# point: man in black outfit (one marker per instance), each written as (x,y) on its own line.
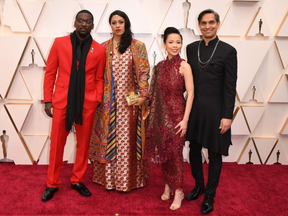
(214,68)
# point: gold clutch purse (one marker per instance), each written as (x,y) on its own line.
(131,96)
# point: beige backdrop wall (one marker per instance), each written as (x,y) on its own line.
(259,125)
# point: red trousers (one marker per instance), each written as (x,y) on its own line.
(58,141)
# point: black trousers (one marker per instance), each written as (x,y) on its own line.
(215,166)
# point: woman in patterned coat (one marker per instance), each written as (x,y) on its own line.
(118,133)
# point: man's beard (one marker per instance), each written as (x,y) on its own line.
(83,35)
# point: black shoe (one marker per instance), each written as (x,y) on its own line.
(207,205)
(48,193)
(82,189)
(194,194)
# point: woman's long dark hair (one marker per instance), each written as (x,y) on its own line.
(126,38)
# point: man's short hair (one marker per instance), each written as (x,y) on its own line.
(4,131)
(85,11)
(217,17)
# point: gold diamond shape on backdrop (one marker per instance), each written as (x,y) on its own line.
(31,10)
(252,116)
(249,154)
(18,89)
(228,27)
(248,67)
(254,94)
(44,43)
(284,129)
(13,17)
(278,155)
(17,149)
(44,154)
(280,93)
(34,78)
(135,12)
(18,113)
(255,28)
(265,146)
(32,56)
(282,48)
(35,144)
(10,46)
(283,29)
(257,150)
(239,124)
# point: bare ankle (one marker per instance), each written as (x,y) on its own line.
(178,190)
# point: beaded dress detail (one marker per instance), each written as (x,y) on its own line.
(167,107)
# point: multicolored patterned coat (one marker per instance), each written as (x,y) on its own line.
(99,136)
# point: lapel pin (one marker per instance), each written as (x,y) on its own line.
(92,49)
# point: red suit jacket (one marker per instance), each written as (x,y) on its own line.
(60,60)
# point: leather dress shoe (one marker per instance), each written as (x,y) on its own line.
(48,193)
(81,188)
(207,205)
(194,194)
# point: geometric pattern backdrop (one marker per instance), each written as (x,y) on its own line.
(260,122)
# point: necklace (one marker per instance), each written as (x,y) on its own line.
(204,64)
(116,45)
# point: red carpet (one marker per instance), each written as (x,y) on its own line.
(243,190)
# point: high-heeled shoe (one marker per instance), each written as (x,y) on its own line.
(164,197)
(177,206)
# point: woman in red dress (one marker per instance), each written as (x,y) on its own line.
(169,113)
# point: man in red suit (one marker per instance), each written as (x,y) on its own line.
(75,71)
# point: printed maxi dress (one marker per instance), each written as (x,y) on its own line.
(126,172)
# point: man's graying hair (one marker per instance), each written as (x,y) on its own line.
(217,17)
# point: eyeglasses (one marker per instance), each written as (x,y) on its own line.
(88,21)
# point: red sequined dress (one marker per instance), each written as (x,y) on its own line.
(167,107)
